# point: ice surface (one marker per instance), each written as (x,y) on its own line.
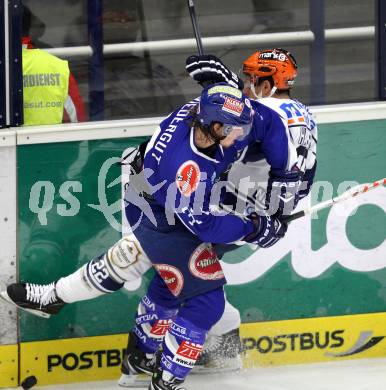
(360,374)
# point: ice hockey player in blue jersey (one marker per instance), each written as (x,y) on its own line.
(186,156)
(183,161)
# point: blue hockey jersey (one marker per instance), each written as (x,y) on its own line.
(186,178)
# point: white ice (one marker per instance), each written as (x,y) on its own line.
(360,374)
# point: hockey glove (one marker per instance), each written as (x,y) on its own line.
(208,69)
(268,230)
(135,158)
(282,192)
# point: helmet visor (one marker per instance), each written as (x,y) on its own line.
(238,132)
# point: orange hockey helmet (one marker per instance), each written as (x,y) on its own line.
(278,63)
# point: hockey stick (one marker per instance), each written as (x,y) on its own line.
(196,30)
(351,193)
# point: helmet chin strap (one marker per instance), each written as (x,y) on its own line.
(273,90)
(259,95)
(255,95)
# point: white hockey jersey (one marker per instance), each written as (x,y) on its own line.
(302,129)
(248,177)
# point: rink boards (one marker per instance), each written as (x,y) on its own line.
(266,343)
(305,299)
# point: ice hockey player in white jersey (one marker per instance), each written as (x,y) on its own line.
(268,77)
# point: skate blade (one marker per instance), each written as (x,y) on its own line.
(5,296)
(134,380)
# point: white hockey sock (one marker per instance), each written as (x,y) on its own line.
(74,287)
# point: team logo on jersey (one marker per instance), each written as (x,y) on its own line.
(172,276)
(233,106)
(204,264)
(188,177)
(160,328)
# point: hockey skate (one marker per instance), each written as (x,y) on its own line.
(38,299)
(137,366)
(164,380)
(220,354)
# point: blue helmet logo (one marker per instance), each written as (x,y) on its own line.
(225,104)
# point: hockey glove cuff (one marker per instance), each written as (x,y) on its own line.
(308,180)
(268,230)
(282,192)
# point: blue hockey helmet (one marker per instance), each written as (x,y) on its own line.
(226,105)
